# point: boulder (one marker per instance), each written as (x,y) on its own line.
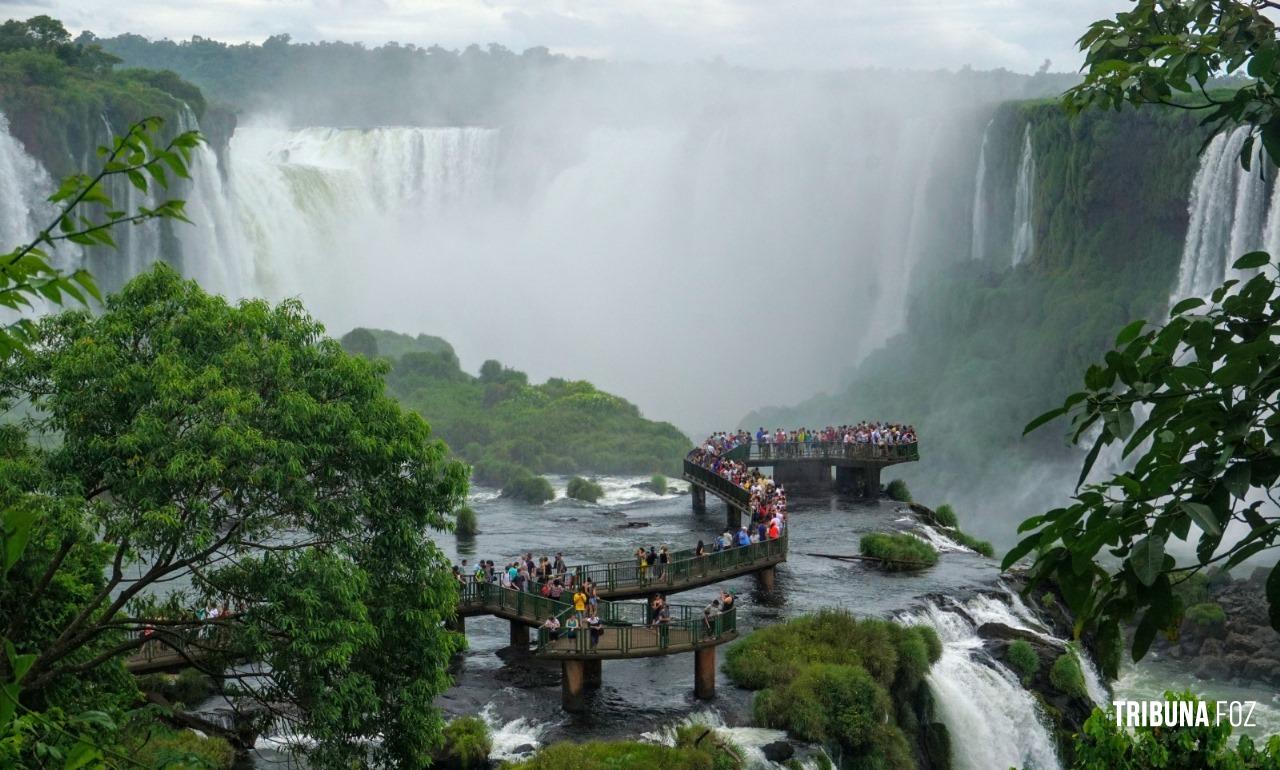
(778,751)
(524,748)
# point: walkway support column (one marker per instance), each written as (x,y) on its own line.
(732,519)
(519,635)
(704,672)
(572,686)
(592,674)
(765,578)
(699,497)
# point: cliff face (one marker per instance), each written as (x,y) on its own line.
(989,345)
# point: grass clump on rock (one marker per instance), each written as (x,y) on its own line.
(465,521)
(695,749)
(584,489)
(897,490)
(1208,617)
(854,685)
(528,488)
(1024,661)
(898,550)
(658,484)
(1067,677)
(466,745)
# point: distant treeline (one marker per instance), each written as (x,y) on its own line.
(505,426)
(350,84)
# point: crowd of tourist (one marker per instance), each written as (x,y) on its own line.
(768,501)
(875,437)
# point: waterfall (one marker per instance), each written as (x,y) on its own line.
(992,719)
(1229,215)
(1023,227)
(24,185)
(978,248)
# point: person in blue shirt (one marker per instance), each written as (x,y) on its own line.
(744,539)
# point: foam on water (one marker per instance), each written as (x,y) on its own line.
(510,735)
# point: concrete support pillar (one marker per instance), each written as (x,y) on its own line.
(872,476)
(704,672)
(699,497)
(809,475)
(765,578)
(593,674)
(732,519)
(860,480)
(572,686)
(519,635)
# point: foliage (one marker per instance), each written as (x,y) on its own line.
(56,93)
(584,489)
(1066,675)
(160,747)
(394,344)
(465,521)
(27,275)
(466,745)
(1208,616)
(1022,658)
(833,678)
(621,755)
(508,429)
(360,342)
(946,516)
(1102,745)
(658,484)
(898,550)
(193,431)
(897,490)
(529,488)
(1192,402)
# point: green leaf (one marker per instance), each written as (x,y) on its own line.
(1048,416)
(1185,305)
(1147,559)
(1129,333)
(1203,516)
(1252,260)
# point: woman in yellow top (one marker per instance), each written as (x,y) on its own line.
(579,601)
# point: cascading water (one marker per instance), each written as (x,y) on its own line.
(1023,227)
(992,719)
(978,249)
(24,184)
(1229,215)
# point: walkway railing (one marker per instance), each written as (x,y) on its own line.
(834,450)
(689,627)
(684,566)
(724,488)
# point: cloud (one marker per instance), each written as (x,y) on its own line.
(811,34)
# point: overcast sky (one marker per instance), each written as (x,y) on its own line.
(922,34)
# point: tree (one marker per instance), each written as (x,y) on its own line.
(360,342)
(1191,406)
(236,451)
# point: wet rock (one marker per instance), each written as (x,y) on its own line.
(634,525)
(524,748)
(778,751)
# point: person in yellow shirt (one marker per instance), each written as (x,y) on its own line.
(579,601)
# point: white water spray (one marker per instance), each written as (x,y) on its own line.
(978,249)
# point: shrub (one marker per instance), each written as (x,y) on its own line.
(1207,616)
(529,488)
(899,551)
(946,516)
(1194,589)
(1048,600)
(187,688)
(658,484)
(1065,675)
(1024,661)
(160,746)
(582,489)
(465,521)
(969,541)
(466,745)
(620,755)
(897,490)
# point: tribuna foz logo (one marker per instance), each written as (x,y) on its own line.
(1182,713)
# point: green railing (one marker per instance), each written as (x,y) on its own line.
(687,628)
(684,567)
(835,450)
(718,484)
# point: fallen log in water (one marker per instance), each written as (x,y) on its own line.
(876,559)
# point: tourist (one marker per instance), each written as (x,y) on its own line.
(664,558)
(595,628)
(642,563)
(710,613)
(700,550)
(552,626)
(726,600)
(579,601)
(593,599)
(571,627)
(558,566)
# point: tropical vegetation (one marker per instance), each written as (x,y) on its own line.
(897,551)
(696,748)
